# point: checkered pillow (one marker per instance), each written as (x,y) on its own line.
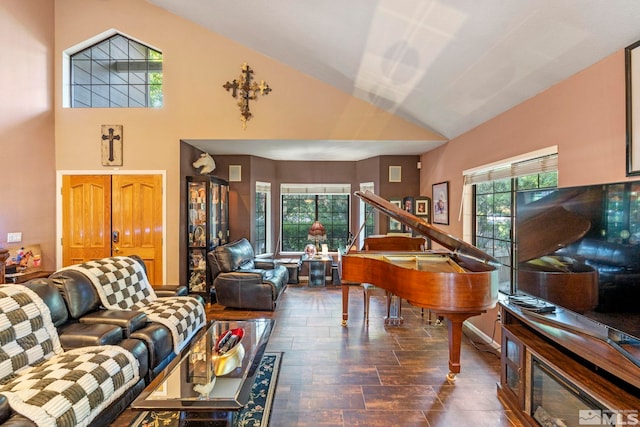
(27,335)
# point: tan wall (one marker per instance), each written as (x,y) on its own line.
(583,115)
(27,192)
(196,65)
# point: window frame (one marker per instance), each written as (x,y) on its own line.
(539,161)
(262,191)
(311,193)
(152,68)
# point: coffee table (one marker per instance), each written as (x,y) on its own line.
(201,381)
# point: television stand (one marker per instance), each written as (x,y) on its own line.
(561,366)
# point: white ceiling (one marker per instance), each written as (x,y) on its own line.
(446,65)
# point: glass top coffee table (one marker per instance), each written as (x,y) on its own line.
(203,379)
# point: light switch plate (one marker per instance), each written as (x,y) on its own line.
(14,237)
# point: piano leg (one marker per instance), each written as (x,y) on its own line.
(394,309)
(455,340)
(345,303)
(366,287)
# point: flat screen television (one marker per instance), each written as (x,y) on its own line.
(579,248)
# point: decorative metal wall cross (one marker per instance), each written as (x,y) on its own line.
(246,89)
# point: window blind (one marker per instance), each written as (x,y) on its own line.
(315,188)
(542,164)
(263,187)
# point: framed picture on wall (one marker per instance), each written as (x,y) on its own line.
(423,207)
(395,173)
(395,226)
(408,204)
(632,80)
(440,196)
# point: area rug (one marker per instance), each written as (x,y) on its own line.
(256,413)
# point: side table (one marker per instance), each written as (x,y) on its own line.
(293,266)
(317,269)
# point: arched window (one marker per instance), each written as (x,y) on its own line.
(117,72)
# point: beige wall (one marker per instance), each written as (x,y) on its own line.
(27,191)
(196,65)
(583,115)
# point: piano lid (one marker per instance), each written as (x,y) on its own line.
(423,228)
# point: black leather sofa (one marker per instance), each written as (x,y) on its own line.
(81,321)
(241,280)
(86,311)
(74,335)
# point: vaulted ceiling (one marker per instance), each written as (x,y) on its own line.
(446,65)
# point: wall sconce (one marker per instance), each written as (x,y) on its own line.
(246,89)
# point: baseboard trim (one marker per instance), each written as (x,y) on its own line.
(481,336)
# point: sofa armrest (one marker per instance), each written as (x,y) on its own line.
(5,409)
(127,321)
(75,335)
(249,275)
(171,291)
(17,420)
(140,352)
(264,264)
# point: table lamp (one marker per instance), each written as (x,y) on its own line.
(317,233)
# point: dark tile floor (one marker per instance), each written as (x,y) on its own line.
(369,374)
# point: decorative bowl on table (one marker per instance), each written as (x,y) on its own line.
(228,351)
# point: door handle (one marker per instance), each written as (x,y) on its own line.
(116,249)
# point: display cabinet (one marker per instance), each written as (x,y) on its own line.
(207,227)
(512,358)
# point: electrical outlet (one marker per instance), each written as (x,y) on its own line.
(14,237)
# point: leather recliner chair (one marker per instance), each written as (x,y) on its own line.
(243,281)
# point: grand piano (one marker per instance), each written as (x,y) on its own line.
(456,283)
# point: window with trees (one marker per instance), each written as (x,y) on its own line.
(262,234)
(299,211)
(494,212)
(260,245)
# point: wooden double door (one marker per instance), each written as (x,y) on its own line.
(113,215)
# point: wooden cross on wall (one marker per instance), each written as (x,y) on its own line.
(111,145)
(246,89)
